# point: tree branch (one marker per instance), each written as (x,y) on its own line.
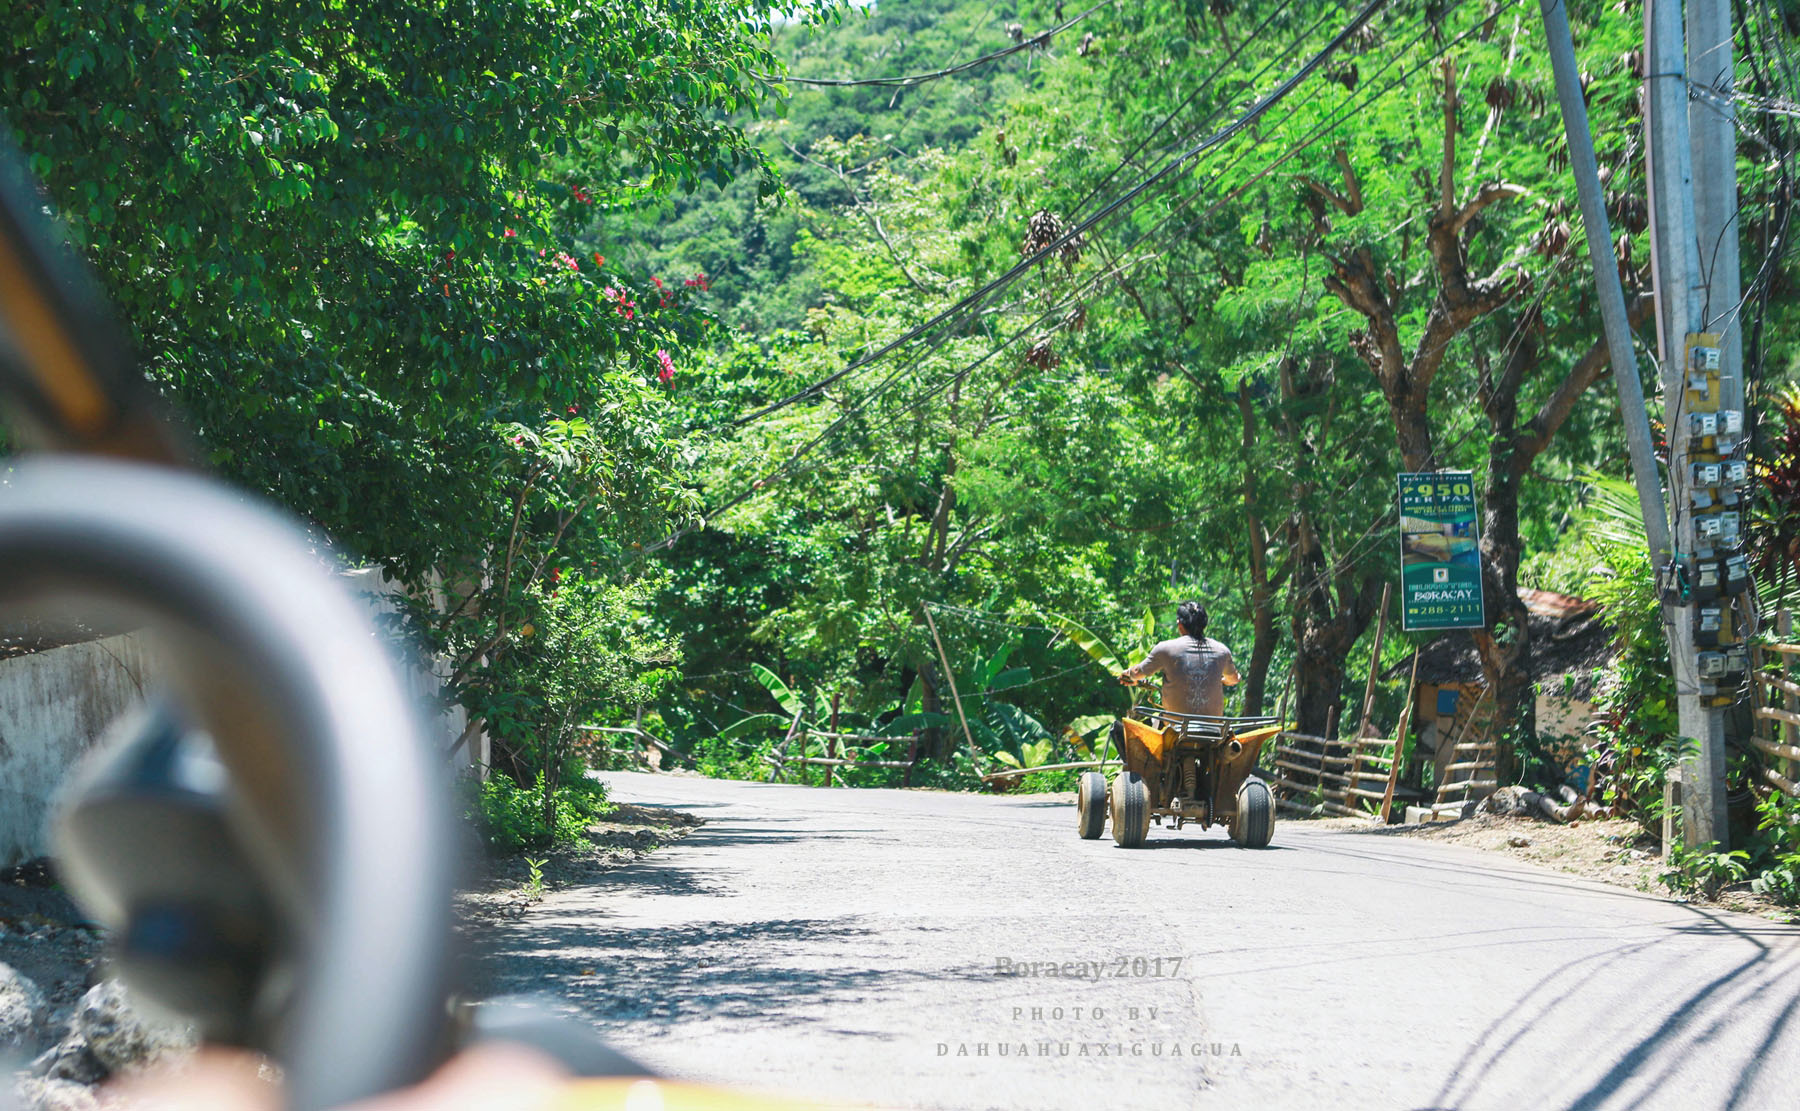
(1590,368)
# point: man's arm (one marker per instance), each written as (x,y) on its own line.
(1149,665)
(1230,672)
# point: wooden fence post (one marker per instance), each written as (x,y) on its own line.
(831,742)
(1789,732)
(1412,695)
(1362,728)
(781,757)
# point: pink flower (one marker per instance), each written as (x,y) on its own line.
(564,258)
(508,234)
(667,372)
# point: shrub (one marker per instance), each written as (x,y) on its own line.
(512,817)
(1703,871)
(721,758)
(1778,828)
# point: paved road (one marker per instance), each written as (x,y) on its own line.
(858,944)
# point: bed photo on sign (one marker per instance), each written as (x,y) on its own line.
(1423,541)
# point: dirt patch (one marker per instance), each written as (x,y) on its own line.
(504,890)
(1609,850)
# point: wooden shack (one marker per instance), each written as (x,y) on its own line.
(1570,643)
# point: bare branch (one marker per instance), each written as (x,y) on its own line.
(1590,368)
(1488,194)
(1447,176)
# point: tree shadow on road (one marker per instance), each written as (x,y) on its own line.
(1691,1021)
(666,975)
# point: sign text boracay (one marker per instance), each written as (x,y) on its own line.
(1440,552)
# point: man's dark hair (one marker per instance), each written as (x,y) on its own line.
(1191,616)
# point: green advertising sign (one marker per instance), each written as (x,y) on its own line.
(1440,552)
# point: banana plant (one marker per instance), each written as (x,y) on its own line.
(816,712)
(1097,647)
(1033,755)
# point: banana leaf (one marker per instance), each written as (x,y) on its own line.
(1090,642)
(784,695)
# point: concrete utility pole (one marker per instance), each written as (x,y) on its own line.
(1698,394)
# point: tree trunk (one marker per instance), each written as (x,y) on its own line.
(934,738)
(1332,607)
(1262,589)
(1318,686)
(1262,648)
(1504,643)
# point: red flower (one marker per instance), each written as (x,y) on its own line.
(508,234)
(599,259)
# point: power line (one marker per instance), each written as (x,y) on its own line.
(1058,308)
(1070,234)
(1204,86)
(1041,39)
(1187,136)
(792,466)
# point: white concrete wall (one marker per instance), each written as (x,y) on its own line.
(53,706)
(382,596)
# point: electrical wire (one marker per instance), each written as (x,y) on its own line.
(1205,85)
(1077,229)
(1344,112)
(1041,39)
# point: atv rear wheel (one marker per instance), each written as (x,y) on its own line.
(1130,809)
(1090,805)
(1254,823)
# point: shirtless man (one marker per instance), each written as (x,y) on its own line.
(1195,669)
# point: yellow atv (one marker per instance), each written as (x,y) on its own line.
(1183,767)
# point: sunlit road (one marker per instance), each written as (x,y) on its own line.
(857,944)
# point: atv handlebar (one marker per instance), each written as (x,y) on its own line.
(335,800)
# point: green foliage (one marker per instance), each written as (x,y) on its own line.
(534,881)
(514,818)
(1638,738)
(346,239)
(486,298)
(575,650)
(725,758)
(1778,824)
(1703,871)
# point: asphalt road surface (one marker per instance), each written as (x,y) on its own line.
(926,950)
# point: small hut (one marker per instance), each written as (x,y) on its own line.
(1569,642)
